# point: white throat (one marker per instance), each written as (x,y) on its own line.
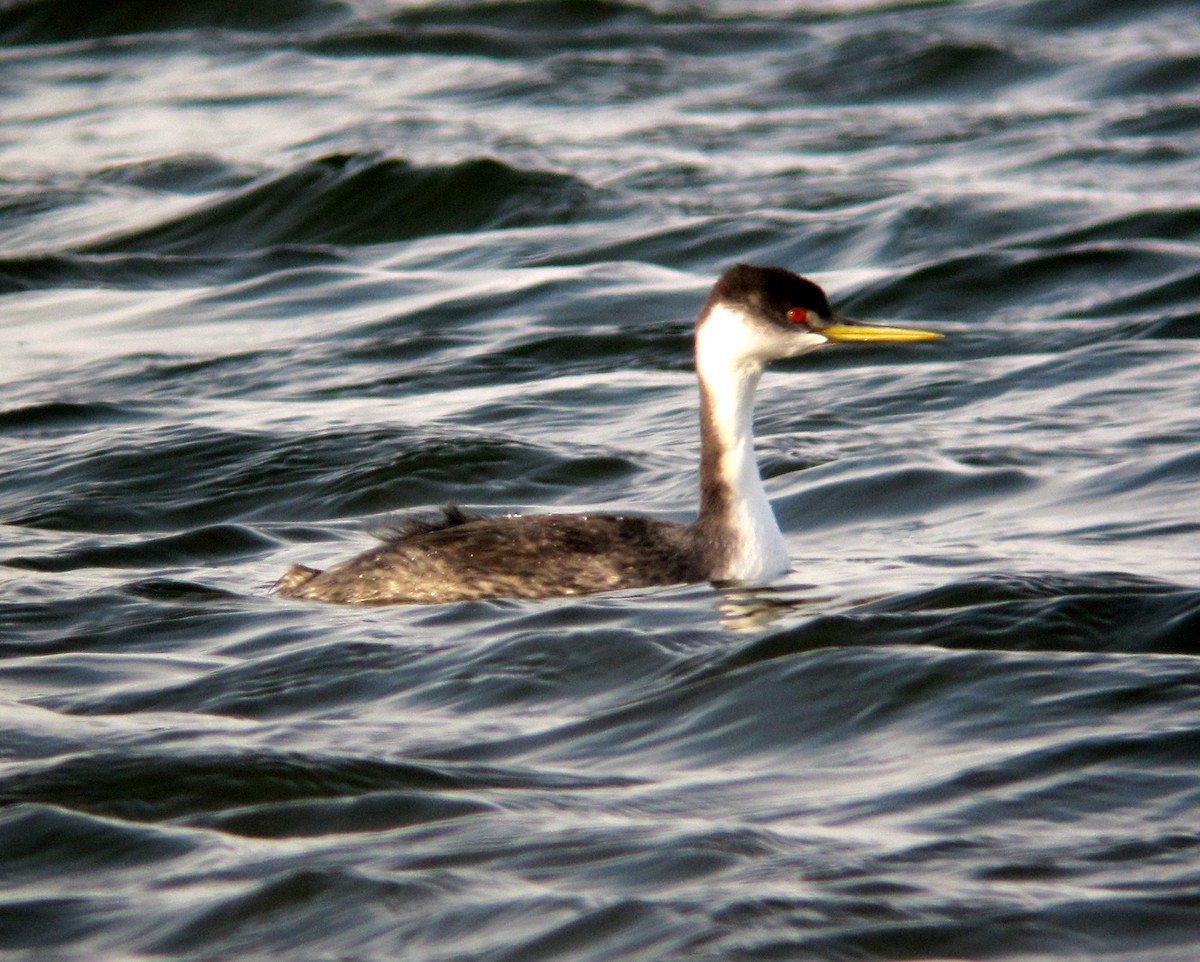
(730,354)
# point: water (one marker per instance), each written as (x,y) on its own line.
(272,274)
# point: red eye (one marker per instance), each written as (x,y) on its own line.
(799,315)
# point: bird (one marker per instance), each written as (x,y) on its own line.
(752,316)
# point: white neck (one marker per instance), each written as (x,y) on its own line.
(734,506)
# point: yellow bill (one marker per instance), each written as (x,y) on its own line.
(842,330)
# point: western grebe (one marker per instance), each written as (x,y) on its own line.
(753,315)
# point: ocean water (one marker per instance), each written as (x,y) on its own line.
(273,274)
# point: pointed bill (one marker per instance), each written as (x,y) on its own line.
(843,330)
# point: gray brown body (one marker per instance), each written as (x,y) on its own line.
(466,557)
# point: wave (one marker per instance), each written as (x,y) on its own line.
(51,417)
(123,486)
(150,271)
(1102,612)
(906,64)
(61,21)
(1074,281)
(351,199)
(518,30)
(302,217)
(214,544)
(164,784)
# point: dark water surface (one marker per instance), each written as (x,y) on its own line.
(272,273)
